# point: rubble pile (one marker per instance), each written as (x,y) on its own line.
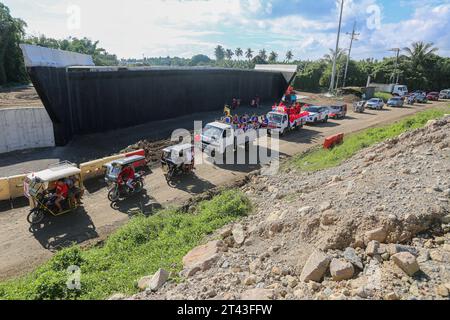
(375,227)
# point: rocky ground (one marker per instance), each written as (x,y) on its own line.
(376,227)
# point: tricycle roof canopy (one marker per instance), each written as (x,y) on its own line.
(179,147)
(126,161)
(56,172)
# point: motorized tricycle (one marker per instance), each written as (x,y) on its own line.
(40,189)
(118,189)
(359,107)
(177,160)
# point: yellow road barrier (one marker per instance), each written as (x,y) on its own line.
(16,186)
(4,189)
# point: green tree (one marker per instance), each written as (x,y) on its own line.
(249,54)
(229,54)
(273,56)
(219,52)
(11,34)
(84,45)
(263,54)
(419,53)
(200,59)
(239,53)
(289,56)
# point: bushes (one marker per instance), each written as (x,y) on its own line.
(383,95)
(137,249)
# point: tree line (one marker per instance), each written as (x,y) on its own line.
(12,33)
(419,66)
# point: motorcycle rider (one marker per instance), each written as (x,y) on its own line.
(62,192)
(127,176)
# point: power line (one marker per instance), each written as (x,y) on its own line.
(353,38)
(333,73)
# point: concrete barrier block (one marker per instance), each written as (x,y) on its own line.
(4,189)
(16,186)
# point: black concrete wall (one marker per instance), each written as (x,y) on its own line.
(83,102)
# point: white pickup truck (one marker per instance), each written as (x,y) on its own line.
(281,122)
(218,136)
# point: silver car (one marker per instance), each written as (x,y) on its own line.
(444,94)
(395,102)
(375,103)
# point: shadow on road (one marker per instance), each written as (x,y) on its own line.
(16,203)
(56,233)
(137,204)
(191,184)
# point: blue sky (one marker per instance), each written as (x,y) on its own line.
(187,27)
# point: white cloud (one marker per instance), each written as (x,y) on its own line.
(188,27)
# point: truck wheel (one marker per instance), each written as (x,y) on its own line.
(325,120)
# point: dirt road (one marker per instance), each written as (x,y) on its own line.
(22,249)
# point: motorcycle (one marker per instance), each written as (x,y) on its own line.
(359,107)
(177,160)
(118,191)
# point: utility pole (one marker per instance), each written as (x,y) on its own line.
(396,63)
(353,38)
(333,72)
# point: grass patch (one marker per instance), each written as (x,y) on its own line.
(383,95)
(138,249)
(319,158)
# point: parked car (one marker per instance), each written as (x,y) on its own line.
(433,96)
(420,97)
(423,93)
(395,102)
(338,111)
(317,114)
(444,94)
(375,103)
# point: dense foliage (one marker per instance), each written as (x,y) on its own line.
(11,61)
(101,56)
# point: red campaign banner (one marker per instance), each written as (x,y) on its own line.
(137,153)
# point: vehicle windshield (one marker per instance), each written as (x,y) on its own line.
(395,98)
(313,109)
(373,100)
(212,132)
(273,117)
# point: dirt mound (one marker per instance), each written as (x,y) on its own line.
(25,96)
(375,227)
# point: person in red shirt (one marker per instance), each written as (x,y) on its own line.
(127,175)
(62,191)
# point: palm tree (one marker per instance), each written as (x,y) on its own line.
(289,56)
(420,52)
(329,57)
(273,56)
(263,54)
(249,54)
(219,53)
(239,53)
(229,54)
